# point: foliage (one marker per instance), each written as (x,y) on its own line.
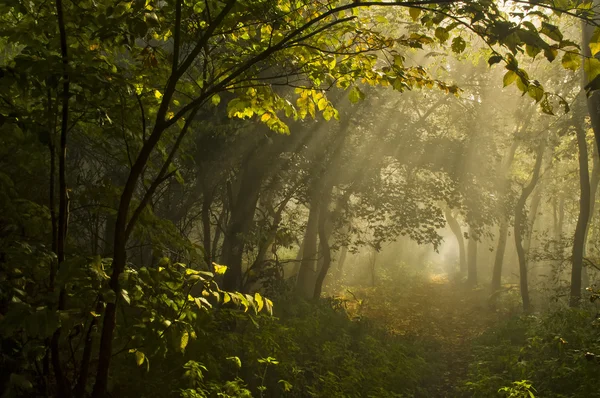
(556,352)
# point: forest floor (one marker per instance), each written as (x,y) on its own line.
(437,310)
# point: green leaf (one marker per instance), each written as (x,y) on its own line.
(286,385)
(535,92)
(185,338)
(139,358)
(571,61)
(259,301)
(355,95)
(414,13)
(125,295)
(551,31)
(441,34)
(215,99)
(595,42)
(550,54)
(522,84)
(532,50)
(237,361)
(509,78)
(458,45)
(494,59)
(591,67)
(219,269)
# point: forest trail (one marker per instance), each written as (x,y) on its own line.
(446,314)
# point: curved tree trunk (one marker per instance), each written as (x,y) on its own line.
(503,230)
(520,222)
(456,230)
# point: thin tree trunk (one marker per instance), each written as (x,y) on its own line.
(341,261)
(472,259)
(207,200)
(582,219)
(520,222)
(456,230)
(325,249)
(499,259)
(306,273)
(63,201)
(503,230)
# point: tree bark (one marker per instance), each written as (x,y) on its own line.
(456,230)
(341,261)
(582,219)
(325,249)
(499,258)
(472,259)
(242,215)
(520,223)
(306,273)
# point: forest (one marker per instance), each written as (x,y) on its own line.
(299,198)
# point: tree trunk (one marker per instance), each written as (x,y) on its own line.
(242,215)
(207,200)
(499,259)
(325,250)
(341,261)
(503,230)
(520,223)
(472,259)
(306,273)
(456,230)
(582,219)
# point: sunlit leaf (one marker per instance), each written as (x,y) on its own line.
(571,61)
(219,269)
(595,42)
(185,338)
(139,358)
(509,78)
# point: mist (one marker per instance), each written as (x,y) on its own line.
(299,199)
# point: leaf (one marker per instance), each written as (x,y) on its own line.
(414,13)
(535,92)
(237,361)
(550,54)
(458,45)
(219,269)
(591,67)
(595,42)
(551,31)
(322,104)
(139,358)
(185,338)
(157,94)
(441,34)
(286,385)
(571,61)
(215,99)
(125,295)
(259,301)
(509,78)
(494,59)
(355,95)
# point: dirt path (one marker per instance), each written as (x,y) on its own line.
(447,313)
